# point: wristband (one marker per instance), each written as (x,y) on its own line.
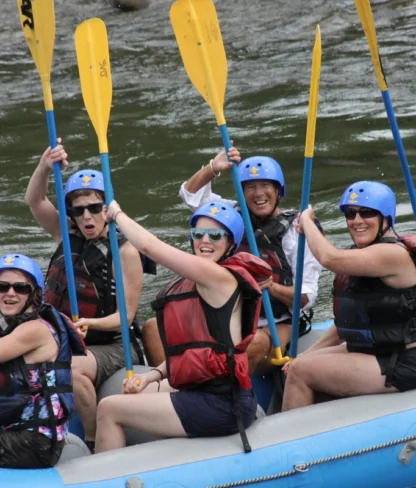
(212,169)
(160,372)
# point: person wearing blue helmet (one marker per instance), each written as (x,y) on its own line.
(36,347)
(93,270)
(277,240)
(372,346)
(206,317)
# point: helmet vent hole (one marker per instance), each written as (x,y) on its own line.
(361,190)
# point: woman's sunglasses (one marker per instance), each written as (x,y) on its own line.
(363,212)
(93,208)
(19,287)
(214,235)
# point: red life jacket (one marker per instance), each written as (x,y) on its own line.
(193,355)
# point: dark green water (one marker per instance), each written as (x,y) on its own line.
(161,130)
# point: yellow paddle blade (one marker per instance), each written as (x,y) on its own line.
(198,35)
(91,46)
(367,21)
(37,18)
(313,95)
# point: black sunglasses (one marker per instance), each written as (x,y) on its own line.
(363,212)
(19,287)
(93,208)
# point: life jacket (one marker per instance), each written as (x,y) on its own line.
(269,235)
(193,355)
(194,358)
(371,316)
(94,284)
(16,390)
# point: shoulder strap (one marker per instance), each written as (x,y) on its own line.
(277,226)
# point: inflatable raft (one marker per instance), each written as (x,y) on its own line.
(362,442)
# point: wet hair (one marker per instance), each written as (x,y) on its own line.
(84,193)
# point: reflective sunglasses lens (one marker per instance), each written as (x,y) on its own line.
(197,235)
(215,235)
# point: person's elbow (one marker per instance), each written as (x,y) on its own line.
(305,301)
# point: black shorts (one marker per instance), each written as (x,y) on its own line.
(205,414)
(110,359)
(22,449)
(404,372)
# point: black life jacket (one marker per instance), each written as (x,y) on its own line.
(269,235)
(16,390)
(371,316)
(94,284)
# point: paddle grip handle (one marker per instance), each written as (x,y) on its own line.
(121,300)
(63,222)
(250,234)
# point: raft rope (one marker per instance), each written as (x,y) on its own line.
(304,467)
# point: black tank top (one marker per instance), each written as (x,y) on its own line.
(218,319)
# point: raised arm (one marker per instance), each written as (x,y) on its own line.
(378,260)
(197,190)
(44,212)
(202,271)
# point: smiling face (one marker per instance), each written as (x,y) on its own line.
(362,228)
(261,197)
(207,248)
(92,225)
(12,303)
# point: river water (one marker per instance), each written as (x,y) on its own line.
(161,130)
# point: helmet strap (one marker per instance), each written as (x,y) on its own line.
(381,231)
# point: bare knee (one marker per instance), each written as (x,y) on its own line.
(299,371)
(82,385)
(106,410)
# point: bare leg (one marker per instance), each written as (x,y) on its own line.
(84,373)
(146,412)
(260,349)
(334,372)
(152,343)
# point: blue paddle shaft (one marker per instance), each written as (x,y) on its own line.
(63,222)
(121,301)
(250,234)
(300,258)
(400,149)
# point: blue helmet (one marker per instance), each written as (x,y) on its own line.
(226,215)
(371,194)
(25,264)
(262,168)
(86,179)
